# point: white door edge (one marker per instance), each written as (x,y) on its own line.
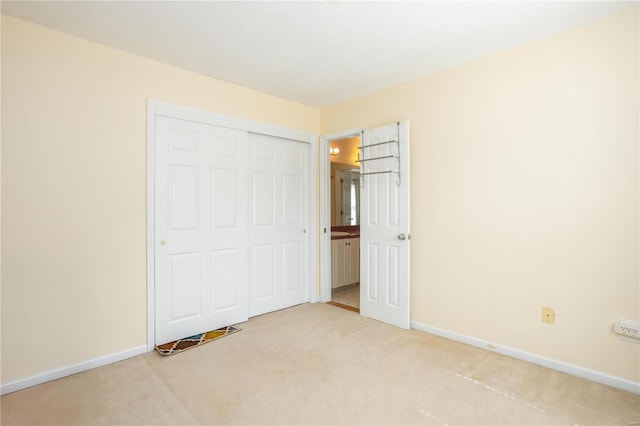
(325,208)
(312,183)
(160,108)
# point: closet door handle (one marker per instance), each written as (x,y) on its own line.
(402,237)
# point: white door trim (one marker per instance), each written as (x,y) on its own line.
(325,208)
(159,108)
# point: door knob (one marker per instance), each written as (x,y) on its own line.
(402,237)
(163,242)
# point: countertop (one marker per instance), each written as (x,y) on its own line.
(352,232)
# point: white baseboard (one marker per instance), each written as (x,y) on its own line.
(59,373)
(574,370)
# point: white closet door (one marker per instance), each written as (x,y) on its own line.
(200,228)
(279,220)
(384,226)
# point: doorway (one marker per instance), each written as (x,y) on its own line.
(384,222)
(329,216)
(345,222)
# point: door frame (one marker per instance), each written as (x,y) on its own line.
(325,208)
(157,108)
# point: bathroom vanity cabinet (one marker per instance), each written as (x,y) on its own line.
(345,262)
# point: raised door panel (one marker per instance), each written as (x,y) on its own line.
(292,194)
(370,274)
(224,199)
(184,201)
(225,284)
(263,199)
(263,271)
(291,266)
(184,285)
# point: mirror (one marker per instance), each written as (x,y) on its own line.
(345,182)
(345,196)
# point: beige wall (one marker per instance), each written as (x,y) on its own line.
(524,191)
(74,190)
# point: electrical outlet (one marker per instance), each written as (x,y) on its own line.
(548,315)
(628,328)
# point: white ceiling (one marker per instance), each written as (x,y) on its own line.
(318,53)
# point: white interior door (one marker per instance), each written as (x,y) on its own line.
(279,220)
(200,228)
(384,224)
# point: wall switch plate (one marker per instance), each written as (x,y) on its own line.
(548,315)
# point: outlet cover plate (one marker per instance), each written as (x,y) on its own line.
(548,315)
(628,328)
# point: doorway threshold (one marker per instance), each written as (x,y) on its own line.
(343,306)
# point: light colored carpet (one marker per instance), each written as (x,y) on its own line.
(349,295)
(318,364)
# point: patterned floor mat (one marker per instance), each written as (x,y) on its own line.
(181,345)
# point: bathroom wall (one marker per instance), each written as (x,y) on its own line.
(348,151)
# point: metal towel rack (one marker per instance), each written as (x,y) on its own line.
(363,160)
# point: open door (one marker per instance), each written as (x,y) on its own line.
(384,224)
